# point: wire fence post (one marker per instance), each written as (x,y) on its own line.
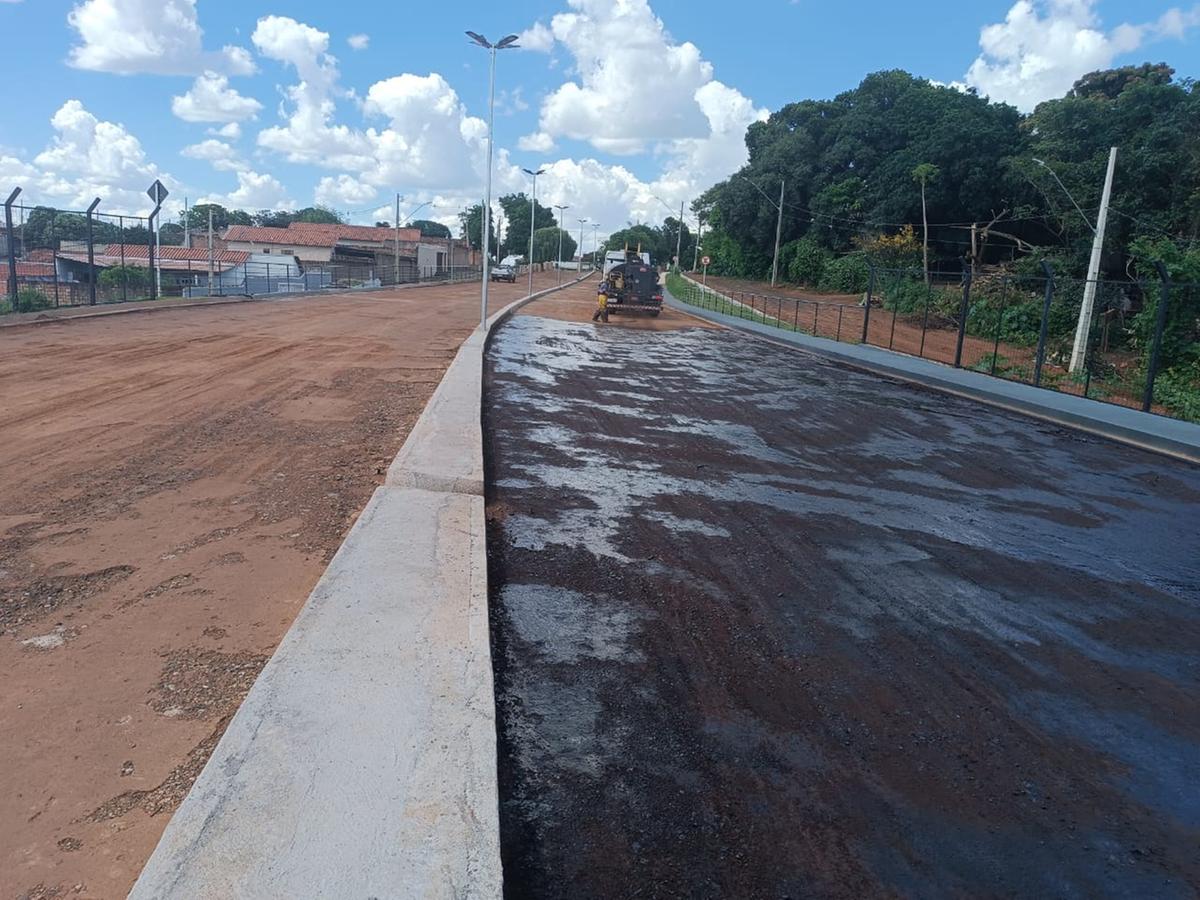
(1160,324)
(10,240)
(1041,347)
(925,320)
(91,253)
(150,252)
(962,316)
(999,321)
(867,303)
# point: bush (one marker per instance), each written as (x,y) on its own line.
(803,261)
(1178,388)
(28,300)
(845,274)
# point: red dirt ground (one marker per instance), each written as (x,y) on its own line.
(174,484)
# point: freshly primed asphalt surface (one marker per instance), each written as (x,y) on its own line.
(768,627)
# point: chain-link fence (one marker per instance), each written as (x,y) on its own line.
(1141,348)
(56,258)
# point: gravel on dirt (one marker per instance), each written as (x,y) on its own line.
(174,484)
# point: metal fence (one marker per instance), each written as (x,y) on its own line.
(57,258)
(1142,349)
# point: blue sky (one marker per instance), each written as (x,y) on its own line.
(631,106)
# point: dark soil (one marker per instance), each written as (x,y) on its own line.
(767,627)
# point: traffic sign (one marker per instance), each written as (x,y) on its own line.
(705,260)
(157,192)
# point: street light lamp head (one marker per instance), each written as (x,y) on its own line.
(479,39)
(508,41)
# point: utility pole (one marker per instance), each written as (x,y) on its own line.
(595,242)
(778,232)
(396,249)
(210,252)
(187,238)
(699,235)
(1084,326)
(679,241)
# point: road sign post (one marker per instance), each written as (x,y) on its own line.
(705,261)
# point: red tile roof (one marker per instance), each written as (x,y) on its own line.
(195,254)
(306,234)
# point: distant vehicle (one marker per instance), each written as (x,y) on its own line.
(621,257)
(504,272)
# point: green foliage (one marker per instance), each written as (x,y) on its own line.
(545,244)
(430,229)
(516,223)
(845,274)
(197,217)
(1178,388)
(471,229)
(851,161)
(132,278)
(803,261)
(28,300)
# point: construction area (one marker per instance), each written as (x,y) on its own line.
(768,626)
(177,481)
(761,624)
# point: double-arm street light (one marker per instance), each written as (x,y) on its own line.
(582,222)
(595,244)
(560,209)
(505,43)
(532,220)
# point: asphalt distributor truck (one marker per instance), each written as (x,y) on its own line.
(629,284)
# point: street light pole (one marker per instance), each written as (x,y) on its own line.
(595,243)
(502,44)
(532,221)
(560,234)
(582,222)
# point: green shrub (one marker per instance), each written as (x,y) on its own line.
(804,261)
(1178,388)
(845,274)
(28,300)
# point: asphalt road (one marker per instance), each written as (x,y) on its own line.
(768,627)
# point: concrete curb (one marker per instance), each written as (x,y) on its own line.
(1158,434)
(363,761)
(444,450)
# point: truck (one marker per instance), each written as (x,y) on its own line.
(629,284)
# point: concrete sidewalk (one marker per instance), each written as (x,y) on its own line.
(1159,434)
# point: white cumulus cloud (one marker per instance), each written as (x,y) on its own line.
(1043,47)
(359,41)
(86,158)
(343,191)
(254,191)
(218,154)
(211,99)
(155,36)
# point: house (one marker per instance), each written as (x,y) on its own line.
(370,252)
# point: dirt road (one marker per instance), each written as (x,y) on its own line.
(173,485)
(768,627)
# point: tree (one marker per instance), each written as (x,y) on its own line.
(171,234)
(430,229)
(383,224)
(471,229)
(923,175)
(516,212)
(545,244)
(197,217)
(318,215)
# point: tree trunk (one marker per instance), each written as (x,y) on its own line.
(925,228)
